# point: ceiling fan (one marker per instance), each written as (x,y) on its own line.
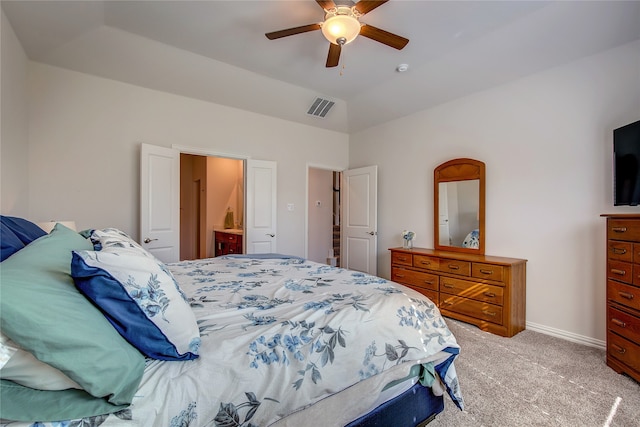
(342,25)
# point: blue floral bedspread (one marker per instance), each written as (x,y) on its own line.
(279,334)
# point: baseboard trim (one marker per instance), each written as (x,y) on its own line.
(569,336)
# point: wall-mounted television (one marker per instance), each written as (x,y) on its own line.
(626,165)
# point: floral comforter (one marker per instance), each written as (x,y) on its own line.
(282,333)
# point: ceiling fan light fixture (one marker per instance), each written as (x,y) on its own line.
(341,24)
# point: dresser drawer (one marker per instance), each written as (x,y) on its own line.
(479,310)
(623,350)
(477,291)
(487,271)
(401,258)
(623,294)
(462,268)
(415,278)
(621,251)
(428,262)
(623,229)
(226,237)
(623,324)
(620,270)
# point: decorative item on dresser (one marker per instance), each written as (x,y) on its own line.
(486,291)
(623,293)
(228,242)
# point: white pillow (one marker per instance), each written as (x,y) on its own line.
(25,369)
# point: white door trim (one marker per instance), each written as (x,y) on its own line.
(200,151)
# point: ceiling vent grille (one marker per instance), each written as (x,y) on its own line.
(320,107)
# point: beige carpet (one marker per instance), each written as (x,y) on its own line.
(537,380)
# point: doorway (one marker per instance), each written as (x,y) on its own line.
(212,203)
(323,216)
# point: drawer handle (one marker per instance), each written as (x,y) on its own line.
(618,322)
(489,313)
(625,295)
(447,302)
(447,285)
(429,282)
(401,258)
(619,229)
(619,349)
(486,271)
(618,272)
(453,267)
(400,275)
(489,294)
(425,262)
(620,251)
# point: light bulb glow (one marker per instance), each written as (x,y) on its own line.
(337,26)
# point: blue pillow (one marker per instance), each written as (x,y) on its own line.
(141,299)
(9,242)
(25,230)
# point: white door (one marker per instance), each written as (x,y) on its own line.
(360,220)
(260,229)
(160,202)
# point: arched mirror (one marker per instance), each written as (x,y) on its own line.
(458,219)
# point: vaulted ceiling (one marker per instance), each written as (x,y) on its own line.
(217,50)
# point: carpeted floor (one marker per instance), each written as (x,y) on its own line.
(537,380)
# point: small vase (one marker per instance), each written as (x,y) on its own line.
(407,244)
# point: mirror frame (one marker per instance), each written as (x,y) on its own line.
(462,169)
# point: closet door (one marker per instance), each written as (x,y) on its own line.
(360,220)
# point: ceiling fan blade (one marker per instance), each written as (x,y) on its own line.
(292,31)
(334,55)
(326,5)
(383,36)
(366,6)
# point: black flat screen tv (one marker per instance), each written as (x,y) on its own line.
(626,165)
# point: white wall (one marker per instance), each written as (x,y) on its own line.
(85,133)
(547,144)
(14,137)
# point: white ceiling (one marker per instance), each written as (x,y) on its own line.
(216,50)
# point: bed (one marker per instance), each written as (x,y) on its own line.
(121,339)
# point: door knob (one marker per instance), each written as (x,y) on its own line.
(270,235)
(148,240)
(372,233)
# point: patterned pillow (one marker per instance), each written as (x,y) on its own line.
(114,238)
(141,299)
(472,240)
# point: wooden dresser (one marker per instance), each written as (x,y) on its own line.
(486,291)
(623,294)
(228,243)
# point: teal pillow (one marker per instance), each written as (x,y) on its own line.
(43,312)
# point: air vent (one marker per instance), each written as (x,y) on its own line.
(320,107)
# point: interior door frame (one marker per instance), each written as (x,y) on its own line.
(199,151)
(306,206)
